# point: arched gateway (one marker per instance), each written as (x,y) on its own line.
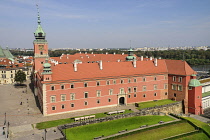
(122,101)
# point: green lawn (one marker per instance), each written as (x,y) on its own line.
(160,133)
(155,103)
(88,132)
(198,136)
(199,124)
(54,123)
(206,94)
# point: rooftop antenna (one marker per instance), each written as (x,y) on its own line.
(130,44)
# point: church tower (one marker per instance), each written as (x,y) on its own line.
(40,46)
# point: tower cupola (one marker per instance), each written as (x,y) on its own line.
(39,33)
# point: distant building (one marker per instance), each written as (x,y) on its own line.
(71,83)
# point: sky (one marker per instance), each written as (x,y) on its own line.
(106,23)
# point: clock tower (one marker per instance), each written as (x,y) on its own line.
(40,46)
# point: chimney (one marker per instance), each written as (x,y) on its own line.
(75,66)
(142,58)
(106,52)
(159,57)
(100,65)
(114,53)
(134,63)
(155,62)
(150,58)
(146,56)
(80,52)
(92,53)
(122,53)
(85,52)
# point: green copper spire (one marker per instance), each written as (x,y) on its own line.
(130,56)
(39,33)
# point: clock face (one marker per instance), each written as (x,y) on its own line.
(41,47)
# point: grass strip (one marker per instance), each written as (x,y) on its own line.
(54,123)
(88,132)
(161,132)
(154,103)
(198,136)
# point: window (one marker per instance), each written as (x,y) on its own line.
(110,91)
(107,83)
(165,86)
(72,105)
(155,78)
(144,88)
(3,75)
(134,95)
(53,107)
(86,103)
(179,87)
(121,81)
(135,80)
(72,96)
(11,71)
(98,101)
(155,94)
(109,100)
(62,86)
(166,93)
(62,106)
(98,83)
(52,99)
(129,96)
(165,77)
(121,90)
(174,94)
(173,87)
(11,75)
(85,84)
(155,87)
(190,88)
(98,93)
(41,53)
(135,89)
(129,80)
(42,62)
(129,90)
(52,88)
(144,79)
(63,97)
(174,78)
(114,81)
(180,79)
(86,95)
(72,86)
(144,95)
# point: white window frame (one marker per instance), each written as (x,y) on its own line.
(63,97)
(98,93)
(53,99)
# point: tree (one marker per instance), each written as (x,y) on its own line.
(20,77)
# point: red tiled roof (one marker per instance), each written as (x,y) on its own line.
(85,58)
(110,69)
(179,67)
